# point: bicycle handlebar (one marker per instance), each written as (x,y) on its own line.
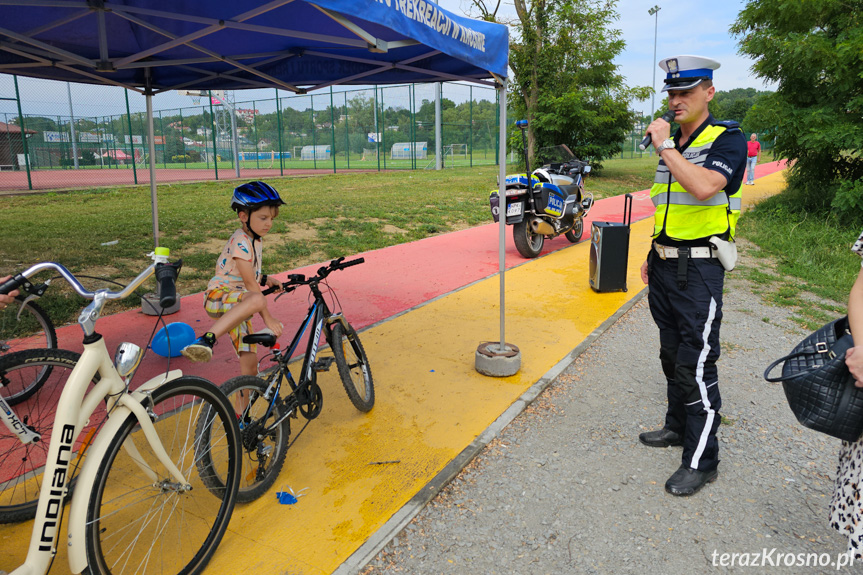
(295,280)
(166,274)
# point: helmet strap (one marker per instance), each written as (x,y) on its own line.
(247,225)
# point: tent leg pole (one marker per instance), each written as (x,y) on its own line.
(151,150)
(502,209)
(500,359)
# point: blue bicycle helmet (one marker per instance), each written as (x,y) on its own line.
(254,195)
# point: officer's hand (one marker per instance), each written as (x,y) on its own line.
(644,272)
(659,131)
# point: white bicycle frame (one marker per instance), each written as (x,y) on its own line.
(73,412)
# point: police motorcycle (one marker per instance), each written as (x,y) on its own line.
(555,203)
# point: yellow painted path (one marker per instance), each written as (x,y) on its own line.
(359,470)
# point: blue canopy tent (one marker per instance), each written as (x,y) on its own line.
(153,46)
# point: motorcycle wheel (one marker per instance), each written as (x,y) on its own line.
(527,243)
(574,235)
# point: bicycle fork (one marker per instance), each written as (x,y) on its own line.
(15,425)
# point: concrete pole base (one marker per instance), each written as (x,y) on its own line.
(150,305)
(491,361)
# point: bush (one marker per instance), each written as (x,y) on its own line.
(182,158)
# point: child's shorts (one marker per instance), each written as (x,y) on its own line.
(218,302)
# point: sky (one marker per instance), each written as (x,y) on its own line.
(697,27)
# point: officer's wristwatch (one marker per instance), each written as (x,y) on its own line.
(667,144)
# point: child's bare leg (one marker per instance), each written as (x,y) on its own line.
(248,363)
(251,304)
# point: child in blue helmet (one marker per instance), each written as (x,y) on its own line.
(234,294)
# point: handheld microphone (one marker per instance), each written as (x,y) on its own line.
(668,117)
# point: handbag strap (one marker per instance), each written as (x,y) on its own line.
(791,375)
(839,347)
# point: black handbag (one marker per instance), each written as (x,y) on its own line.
(818,386)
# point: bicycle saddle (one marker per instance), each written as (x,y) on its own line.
(264,337)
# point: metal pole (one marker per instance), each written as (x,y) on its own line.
(255,122)
(470,133)
(162,129)
(438,128)
(654,12)
(333,128)
(131,137)
(23,134)
(497,138)
(279,124)
(235,139)
(502,209)
(213,133)
(413,95)
(183,137)
(72,127)
(314,134)
(151,146)
(383,129)
(377,132)
(347,135)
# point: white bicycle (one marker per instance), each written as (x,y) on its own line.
(139,503)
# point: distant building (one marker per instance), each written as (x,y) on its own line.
(12,146)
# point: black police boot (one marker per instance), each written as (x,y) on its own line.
(687,481)
(661,438)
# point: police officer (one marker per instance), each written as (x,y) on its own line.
(696,192)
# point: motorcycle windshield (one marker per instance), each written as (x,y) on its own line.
(559,154)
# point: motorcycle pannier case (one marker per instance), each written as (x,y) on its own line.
(549,199)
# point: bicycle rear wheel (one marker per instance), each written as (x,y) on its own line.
(263,451)
(22,465)
(147,525)
(23,328)
(353,366)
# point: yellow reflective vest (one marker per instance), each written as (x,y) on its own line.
(682,215)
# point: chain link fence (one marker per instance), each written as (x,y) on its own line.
(57,135)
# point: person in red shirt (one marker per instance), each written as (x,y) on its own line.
(753,151)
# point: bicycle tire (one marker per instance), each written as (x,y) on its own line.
(353,365)
(159,526)
(22,466)
(31,330)
(260,468)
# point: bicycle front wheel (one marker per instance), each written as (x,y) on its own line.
(139,517)
(264,449)
(353,366)
(22,328)
(22,465)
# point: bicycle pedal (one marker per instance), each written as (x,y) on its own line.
(324,363)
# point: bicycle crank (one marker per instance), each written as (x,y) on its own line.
(311,401)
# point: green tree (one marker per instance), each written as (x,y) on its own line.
(565,83)
(814,51)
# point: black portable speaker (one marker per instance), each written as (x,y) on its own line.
(609,251)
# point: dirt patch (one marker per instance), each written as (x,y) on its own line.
(390,229)
(214,245)
(297,232)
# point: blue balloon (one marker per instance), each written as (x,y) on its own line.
(180,335)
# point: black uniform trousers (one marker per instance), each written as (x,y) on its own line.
(688,321)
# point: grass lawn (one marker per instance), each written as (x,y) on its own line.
(325,217)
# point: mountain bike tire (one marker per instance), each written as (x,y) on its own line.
(22,466)
(263,458)
(353,365)
(23,328)
(134,522)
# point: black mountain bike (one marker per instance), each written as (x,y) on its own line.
(25,325)
(264,416)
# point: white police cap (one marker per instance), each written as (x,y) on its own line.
(685,72)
